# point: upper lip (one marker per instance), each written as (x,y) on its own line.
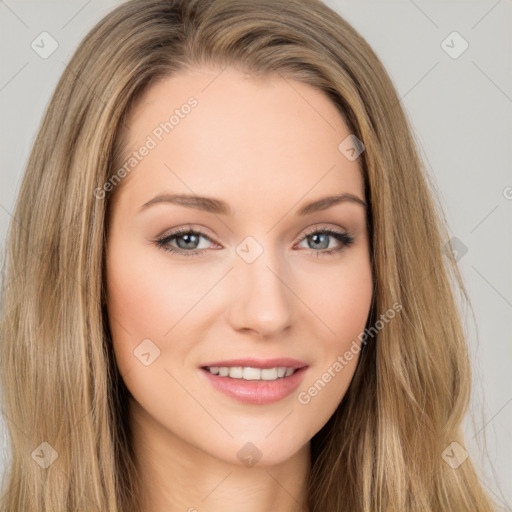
(287,362)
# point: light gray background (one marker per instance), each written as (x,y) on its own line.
(460,109)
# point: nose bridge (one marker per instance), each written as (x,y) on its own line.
(263,300)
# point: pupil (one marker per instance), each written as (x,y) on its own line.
(188,237)
(315,238)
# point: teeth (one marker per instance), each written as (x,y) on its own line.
(236,372)
(252,373)
(269,373)
(248,373)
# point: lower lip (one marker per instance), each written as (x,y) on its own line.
(258,392)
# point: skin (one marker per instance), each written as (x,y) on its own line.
(266,147)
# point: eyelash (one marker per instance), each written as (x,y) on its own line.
(345,239)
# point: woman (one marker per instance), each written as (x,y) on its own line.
(255,370)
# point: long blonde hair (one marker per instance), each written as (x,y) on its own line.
(382,449)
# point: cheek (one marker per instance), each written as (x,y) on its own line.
(133,297)
(353,304)
(137,307)
(146,297)
(348,312)
(343,306)
(340,297)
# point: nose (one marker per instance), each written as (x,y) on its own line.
(263,302)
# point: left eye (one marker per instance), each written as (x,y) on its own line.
(188,242)
(322,239)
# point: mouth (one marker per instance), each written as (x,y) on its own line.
(255,381)
(250,373)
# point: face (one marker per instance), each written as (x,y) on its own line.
(211,301)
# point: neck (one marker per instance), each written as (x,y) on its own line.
(176,476)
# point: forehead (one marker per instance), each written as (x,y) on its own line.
(225,133)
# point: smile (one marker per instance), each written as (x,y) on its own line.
(248,373)
(253,381)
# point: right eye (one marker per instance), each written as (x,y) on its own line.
(187,241)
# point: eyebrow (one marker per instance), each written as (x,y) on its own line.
(217,206)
